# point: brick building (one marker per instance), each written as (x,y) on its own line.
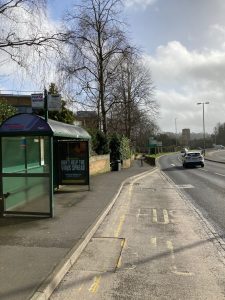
(186,135)
(21,102)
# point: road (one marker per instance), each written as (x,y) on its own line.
(205,187)
(151,245)
(216,155)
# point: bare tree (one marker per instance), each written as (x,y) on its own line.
(25,30)
(96,39)
(133,93)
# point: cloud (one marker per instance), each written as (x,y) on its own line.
(139,3)
(194,76)
(216,33)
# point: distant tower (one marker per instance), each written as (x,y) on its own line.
(186,136)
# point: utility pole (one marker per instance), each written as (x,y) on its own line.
(46,104)
(203,121)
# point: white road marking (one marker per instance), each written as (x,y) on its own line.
(166,217)
(184,186)
(154,242)
(220,174)
(154,218)
(173,165)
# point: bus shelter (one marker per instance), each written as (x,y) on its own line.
(35,157)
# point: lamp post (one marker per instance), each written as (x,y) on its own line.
(203,120)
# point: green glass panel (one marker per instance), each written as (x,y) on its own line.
(25,154)
(33,152)
(13,154)
(24,194)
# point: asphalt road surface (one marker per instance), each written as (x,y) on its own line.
(216,155)
(204,187)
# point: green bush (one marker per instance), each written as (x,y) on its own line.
(125,148)
(6,110)
(119,147)
(100,143)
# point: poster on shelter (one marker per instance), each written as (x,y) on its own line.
(74,162)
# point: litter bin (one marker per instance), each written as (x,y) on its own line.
(116,165)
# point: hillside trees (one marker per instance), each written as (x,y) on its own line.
(219,134)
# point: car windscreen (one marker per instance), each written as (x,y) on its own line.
(195,154)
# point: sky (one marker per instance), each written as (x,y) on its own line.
(183,43)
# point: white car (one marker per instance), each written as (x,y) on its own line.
(193,158)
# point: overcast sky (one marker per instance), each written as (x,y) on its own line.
(183,43)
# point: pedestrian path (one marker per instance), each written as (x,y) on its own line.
(33,248)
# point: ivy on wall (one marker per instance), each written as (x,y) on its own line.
(125,148)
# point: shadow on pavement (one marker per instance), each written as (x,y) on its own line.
(173,168)
(15,220)
(139,262)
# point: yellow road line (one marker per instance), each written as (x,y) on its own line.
(183,273)
(170,247)
(154,219)
(166,216)
(154,242)
(80,288)
(174,267)
(95,285)
(123,245)
(117,232)
(138,214)
(119,263)
(130,191)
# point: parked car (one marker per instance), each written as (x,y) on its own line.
(193,158)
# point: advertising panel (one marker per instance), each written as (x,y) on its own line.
(74,162)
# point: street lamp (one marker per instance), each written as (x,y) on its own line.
(203,119)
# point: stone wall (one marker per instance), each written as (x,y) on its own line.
(99,164)
(126,163)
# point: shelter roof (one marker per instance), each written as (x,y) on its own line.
(30,124)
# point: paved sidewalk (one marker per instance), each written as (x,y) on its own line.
(33,249)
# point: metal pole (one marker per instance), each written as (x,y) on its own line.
(46,104)
(203,111)
(203,121)
(2,202)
